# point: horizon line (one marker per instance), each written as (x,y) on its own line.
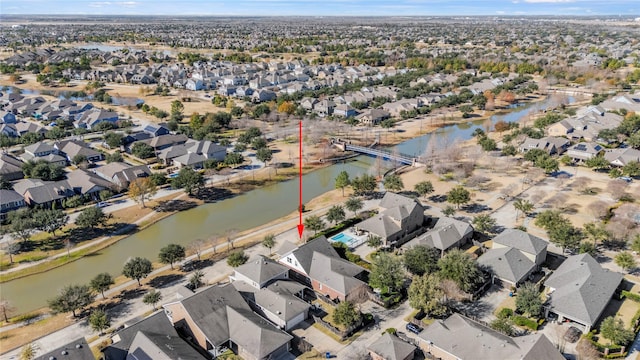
(335,16)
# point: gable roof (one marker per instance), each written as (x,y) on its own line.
(261,270)
(85,181)
(390,200)
(445,234)
(158,346)
(255,334)
(39,147)
(582,288)
(469,340)
(380,225)
(75,350)
(275,299)
(48,191)
(73,148)
(9,196)
(507,263)
(521,240)
(391,347)
(304,253)
(335,272)
(9,165)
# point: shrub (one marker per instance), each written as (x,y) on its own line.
(631,296)
(505,313)
(523,321)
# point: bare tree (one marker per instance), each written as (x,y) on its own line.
(586,350)
(559,200)
(6,309)
(509,190)
(231,237)
(581,183)
(598,209)
(214,241)
(196,247)
(537,196)
(617,188)
(11,247)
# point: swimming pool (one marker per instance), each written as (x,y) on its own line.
(343,238)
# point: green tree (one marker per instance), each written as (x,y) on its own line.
(113,140)
(393,183)
(195,280)
(114,157)
(137,268)
(597,163)
(595,231)
(142,189)
(258,143)
(56,133)
(188,179)
(503,325)
(171,254)
(342,181)
(458,196)
(484,223)
(353,204)
(548,219)
(335,214)
(152,298)
(458,266)
(142,150)
(101,282)
(269,241)
(374,241)
(158,179)
(565,235)
(420,260)
(99,321)
(237,258)
(626,261)
(91,217)
(264,155)
(632,168)
(386,273)
(364,184)
(614,330)
(524,206)
(21,224)
(528,300)
(635,244)
(5,184)
(314,222)
(177,109)
(346,314)
(424,188)
(71,299)
(79,159)
(449,211)
(233,159)
(426,295)
(50,220)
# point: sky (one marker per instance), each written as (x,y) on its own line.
(322,7)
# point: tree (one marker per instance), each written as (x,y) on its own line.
(21,224)
(353,204)
(635,244)
(233,159)
(258,143)
(613,329)
(99,321)
(632,168)
(449,211)
(503,325)
(137,268)
(458,266)
(91,217)
(269,241)
(458,196)
(424,188)
(177,109)
(71,299)
(595,231)
(28,352)
(113,140)
(484,223)
(171,254)
(237,258)
(101,282)
(264,155)
(528,300)
(626,261)
(426,295)
(597,163)
(152,298)
(142,189)
(364,184)
(314,222)
(393,183)
(524,206)
(565,235)
(195,280)
(5,184)
(342,181)
(420,260)
(386,273)
(374,241)
(188,179)
(335,214)
(346,314)
(197,246)
(49,220)
(114,157)
(5,309)
(142,150)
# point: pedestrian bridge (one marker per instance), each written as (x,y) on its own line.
(381,153)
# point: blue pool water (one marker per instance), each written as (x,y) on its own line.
(343,238)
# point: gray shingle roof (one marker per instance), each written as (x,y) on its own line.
(283,304)
(522,241)
(158,323)
(582,288)
(255,334)
(261,269)
(9,196)
(507,263)
(304,253)
(390,347)
(468,340)
(446,233)
(9,165)
(336,273)
(156,346)
(75,350)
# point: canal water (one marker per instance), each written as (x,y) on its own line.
(241,212)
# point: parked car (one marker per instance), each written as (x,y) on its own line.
(625,178)
(573,334)
(188,265)
(414,328)
(102,204)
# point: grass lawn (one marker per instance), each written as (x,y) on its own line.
(509,302)
(623,309)
(20,336)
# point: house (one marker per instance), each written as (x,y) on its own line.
(218,318)
(7,117)
(260,272)
(448,233)
(621,157)
(193,153)
(584,151)
(10,200)
(90,118)
(262,95)
(460,338)
(10,167)
(46,193)
(324,108)
(308,103)
(72,148)
(9,130)
(628,102)
(391,347)
(373,116)
(551,145)
(561,128)
(398,219)
(122,174)
(192,160)
(75,350)
(165,141)
(579,291)
(318,265)
(39,149)
(151,338)
(345,111)
(23,127)
(87,183)
(514,256)
(194,85)
(155,130)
